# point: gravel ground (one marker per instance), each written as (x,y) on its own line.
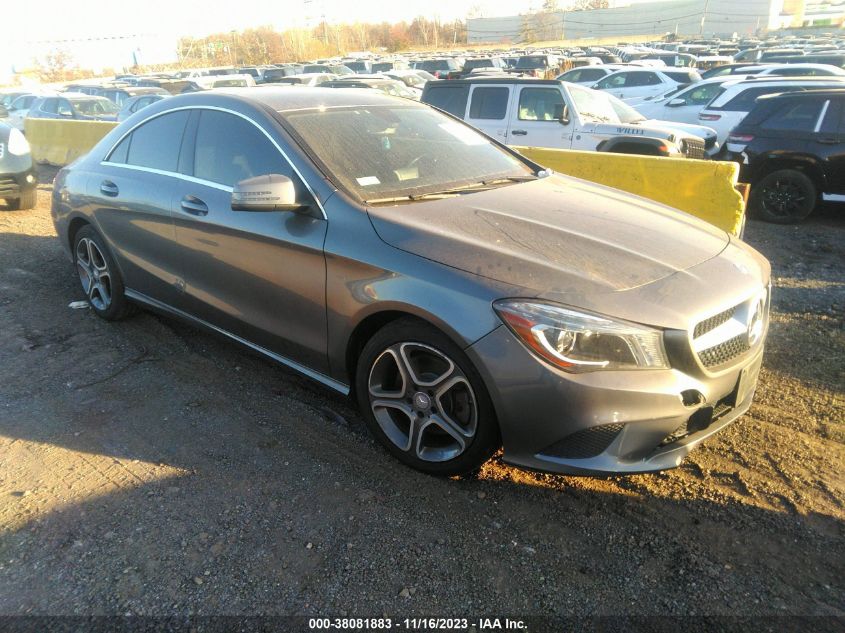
(150,468)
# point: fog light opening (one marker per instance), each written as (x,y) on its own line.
(692,398)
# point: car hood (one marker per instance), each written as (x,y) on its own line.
(686,129)
(556,234)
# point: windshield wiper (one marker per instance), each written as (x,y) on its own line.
(455,191)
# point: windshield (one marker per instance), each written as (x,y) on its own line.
(593,106)
(410,80)
(626,113)
(93,107)
(378,153)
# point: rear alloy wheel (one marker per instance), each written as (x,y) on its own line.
(783,197)
(424,401)
(99,276)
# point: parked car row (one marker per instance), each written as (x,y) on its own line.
(653,99)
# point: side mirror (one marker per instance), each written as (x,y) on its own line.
(676,103)
(562,113)
(272,192)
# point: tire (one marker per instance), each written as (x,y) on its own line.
(99,276)
(26,201)
(785,196)
(424,401)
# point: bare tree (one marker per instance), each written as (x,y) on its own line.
(583,5)
(57,65)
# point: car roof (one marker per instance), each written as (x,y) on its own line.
(806,94)
(504,78)
(788,81)
(298,98)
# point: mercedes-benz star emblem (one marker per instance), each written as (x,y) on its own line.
(755,323)
(422,401)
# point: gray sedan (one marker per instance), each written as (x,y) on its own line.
(465,297)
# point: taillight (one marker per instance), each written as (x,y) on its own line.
(709,117)
(740,138)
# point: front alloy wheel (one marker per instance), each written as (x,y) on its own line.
(424,401)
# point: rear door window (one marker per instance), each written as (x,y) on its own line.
(452,99)
(614,81)
(834,120)
(64,107)
(50,106)
(591,74)
(745,100)
(685,77)
(489,103)
(156,143)
(798,116)
(641,79)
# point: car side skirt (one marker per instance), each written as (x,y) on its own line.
(287,362)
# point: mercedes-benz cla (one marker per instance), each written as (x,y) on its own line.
(465,297)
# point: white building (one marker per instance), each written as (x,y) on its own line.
(684,17)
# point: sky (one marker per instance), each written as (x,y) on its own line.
(97,33)
(59,19)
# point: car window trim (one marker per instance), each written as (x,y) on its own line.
(820,121)
(193,179)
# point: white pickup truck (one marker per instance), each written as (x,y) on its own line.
(556,114)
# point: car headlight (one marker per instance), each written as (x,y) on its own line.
(17,144)
(578,342)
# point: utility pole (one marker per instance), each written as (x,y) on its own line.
(704,16)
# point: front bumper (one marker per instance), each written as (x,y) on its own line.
(13,186)
(609,422)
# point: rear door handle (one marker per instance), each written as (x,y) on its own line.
(519,132)
(108,188)
(194,206)
(829,141)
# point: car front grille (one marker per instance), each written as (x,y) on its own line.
(8,187)
(585,443)
(725,352)
(723,338)
(708,325)
(694,148)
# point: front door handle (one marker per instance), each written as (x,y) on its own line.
(829,141)
(194,206)
(519,132)
(108,188)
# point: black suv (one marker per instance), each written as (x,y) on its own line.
(792,150)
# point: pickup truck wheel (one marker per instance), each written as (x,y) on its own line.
(424,401)
(785,196)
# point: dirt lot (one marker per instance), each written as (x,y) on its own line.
(150,468)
